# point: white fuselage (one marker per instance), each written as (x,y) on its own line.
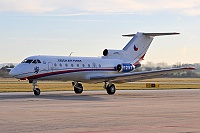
(64,68)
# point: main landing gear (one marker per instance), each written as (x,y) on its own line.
(78,88)
(110,88)
(36,90)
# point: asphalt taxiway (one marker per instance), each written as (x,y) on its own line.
(95,111)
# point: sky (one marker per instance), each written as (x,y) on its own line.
(87,27)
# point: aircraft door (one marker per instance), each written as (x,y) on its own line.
(50,66)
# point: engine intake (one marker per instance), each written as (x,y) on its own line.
(105,52)
(125,67)
(114,53)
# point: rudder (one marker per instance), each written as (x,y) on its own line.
(137,47)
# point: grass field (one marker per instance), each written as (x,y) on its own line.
(13,85)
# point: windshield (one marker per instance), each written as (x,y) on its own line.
(31,61)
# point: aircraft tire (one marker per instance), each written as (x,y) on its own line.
(78,89)
(111,89)
(36,91)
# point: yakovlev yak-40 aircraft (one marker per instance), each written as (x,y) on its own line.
(115,66)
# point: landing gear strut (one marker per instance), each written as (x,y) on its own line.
(78,88)
(35,90)
(110,88)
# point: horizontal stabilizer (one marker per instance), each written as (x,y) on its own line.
(153,34)
(129,35)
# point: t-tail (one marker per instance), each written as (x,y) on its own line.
(136,48)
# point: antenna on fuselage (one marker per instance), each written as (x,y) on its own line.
(71,53)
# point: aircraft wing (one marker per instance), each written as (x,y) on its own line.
(135,76)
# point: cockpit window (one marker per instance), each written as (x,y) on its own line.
(34,61)
(38,61)
(24,61)
(28,61)
(31,61)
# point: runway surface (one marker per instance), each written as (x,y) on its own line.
(153,111)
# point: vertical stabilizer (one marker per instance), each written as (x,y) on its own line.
(137,47)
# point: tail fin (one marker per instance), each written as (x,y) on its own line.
(139,44)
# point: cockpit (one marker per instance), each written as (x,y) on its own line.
(31,61)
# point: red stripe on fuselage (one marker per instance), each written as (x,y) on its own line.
(67,71)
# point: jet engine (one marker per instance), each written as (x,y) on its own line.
(125,67)
(113,53)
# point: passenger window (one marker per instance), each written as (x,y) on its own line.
(83,65)
(55,64)
(60,65)
(88,65)
(99,65)
(66,65)
(72,65)
(77,65)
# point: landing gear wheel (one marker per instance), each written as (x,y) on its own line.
(36,91)
(78,88)
(111,89)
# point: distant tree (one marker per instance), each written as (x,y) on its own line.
(158,68)
(4,71)
(148,68)
(7,66)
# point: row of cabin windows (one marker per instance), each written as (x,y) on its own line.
(78,65)
(66,65)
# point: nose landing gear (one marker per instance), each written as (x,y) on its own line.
(36,91)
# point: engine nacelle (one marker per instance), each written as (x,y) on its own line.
(113,53)
(125,67)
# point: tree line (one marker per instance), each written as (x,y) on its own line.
(186,74)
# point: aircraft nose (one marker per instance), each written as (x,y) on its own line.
(16,72)
(12,72)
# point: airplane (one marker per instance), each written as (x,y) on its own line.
(115,66)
